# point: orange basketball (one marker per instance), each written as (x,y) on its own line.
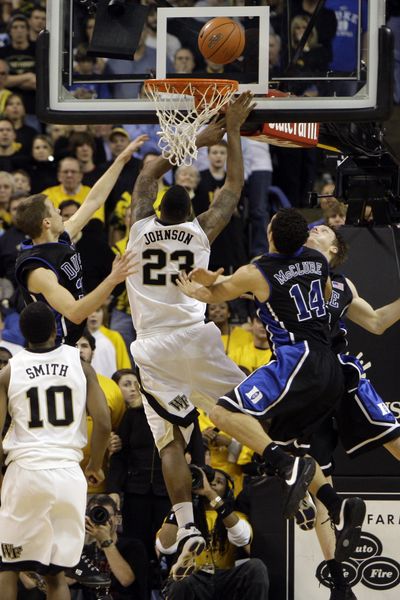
(221,40)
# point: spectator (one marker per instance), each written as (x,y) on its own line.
(85,65)
(7,188)
(119,139)
(37,22)
(173,43)
(325,23)
(335,214)
(184,61)
(22,181)
(228,249)
(42,167)
(111,352)
(224,450)
(256,353)
(21,58)
(115,402)
(226,531)
(15,111)
(4,91)
(70,186)
(11,240)
(135,469)
(11,154)
(232,337)
(83,147)
(123,557)
(275,60)
(313,60)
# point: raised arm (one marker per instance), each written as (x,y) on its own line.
(246,279)
(220,212)
(146,186)
(102,188)
(373,320)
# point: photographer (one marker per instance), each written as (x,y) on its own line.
(227,533)
(123,558)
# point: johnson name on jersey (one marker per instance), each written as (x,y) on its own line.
(163,251)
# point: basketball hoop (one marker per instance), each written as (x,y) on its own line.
(183,106)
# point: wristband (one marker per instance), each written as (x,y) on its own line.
(215,502)
(224,510)
(106,543)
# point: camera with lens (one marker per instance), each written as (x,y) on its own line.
(99,515)
(197,476)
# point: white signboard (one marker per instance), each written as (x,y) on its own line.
(373,570)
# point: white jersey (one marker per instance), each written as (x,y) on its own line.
(156,302)
(47,404)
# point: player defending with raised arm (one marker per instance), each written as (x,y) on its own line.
(303,383)
(176,352)
(46,389)
(49,267)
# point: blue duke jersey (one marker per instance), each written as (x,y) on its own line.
(339,302)
(47,405)
(295,310)
(64,260)
(163,251)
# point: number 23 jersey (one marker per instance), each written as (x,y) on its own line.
(47,405)
(162,251)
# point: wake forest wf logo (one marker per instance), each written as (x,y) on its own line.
(10,552)
(368,566)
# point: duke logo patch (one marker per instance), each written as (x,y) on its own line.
(254,395)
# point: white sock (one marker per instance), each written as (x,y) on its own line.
(183,513)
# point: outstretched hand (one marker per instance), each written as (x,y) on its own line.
(212,134)
(205,276)
(192,289)
(133,147)
(123,266)
(238,111)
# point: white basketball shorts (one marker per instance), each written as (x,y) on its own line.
(177,366)
(42,516)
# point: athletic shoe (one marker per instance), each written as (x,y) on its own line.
(306,516)
(345,593)
(296,480)
(190,544)
(348,519)
(87,574)
(339,590)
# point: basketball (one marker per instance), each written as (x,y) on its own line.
(221,40)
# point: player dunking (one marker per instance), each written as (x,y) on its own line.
(49,266)
(46,389)
(175,351)
(303,382)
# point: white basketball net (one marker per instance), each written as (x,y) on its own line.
(182,112)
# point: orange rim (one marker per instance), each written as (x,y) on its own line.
(199,88)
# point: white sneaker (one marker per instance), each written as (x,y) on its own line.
(306,516)
(190,544)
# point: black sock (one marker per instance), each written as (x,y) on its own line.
(327,495)
(277,458)
(336,571)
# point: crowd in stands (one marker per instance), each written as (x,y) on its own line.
(64,162)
